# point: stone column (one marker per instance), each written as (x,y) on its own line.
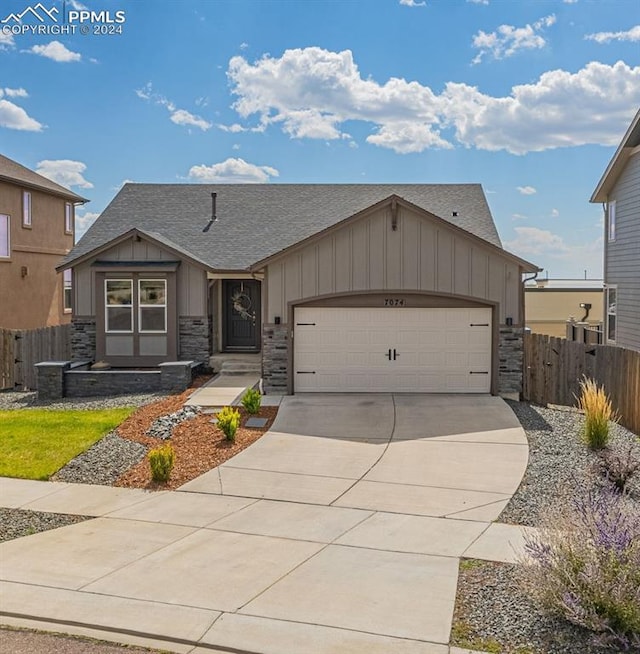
(510,351)
(50,377)
(275,359)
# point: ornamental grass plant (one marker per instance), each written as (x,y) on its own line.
(598,412)
(229,421)
(161,461)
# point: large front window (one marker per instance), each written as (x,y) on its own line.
(152,305)
(610,326)
(148,297)
(119,305)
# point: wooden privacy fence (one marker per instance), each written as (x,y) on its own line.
(21,349)
(553,368)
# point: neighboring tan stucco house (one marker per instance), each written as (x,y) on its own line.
(36,229)
(550,303)
(372,287)
(619,193)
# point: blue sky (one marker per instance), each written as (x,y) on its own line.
(529,98)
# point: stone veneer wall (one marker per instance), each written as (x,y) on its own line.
(275,358)
(193,339)
(510,351)
(83,339)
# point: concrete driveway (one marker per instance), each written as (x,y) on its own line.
(339,531)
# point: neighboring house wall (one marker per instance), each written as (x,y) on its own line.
(422,254)
(622,256)
(191,290)
(547,310)
(31,292)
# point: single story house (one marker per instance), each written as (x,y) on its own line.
(341,287)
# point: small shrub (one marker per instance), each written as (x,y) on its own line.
(251,401)
(584,565)
(597,413)
(229,421)
(161,460)
(619,466)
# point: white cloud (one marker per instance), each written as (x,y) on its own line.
(526,190)
(183,117)
(232,171)
(518,216)
(122,183)
(15,93)
(235,146)
(56,51)
(244,45)
(310,92)
(479,2)
(78,6)
(507,39)
(412,3)
(554,213)
(531,240)
(14,117)
(570,2)
(177,116)
(64,171)
(632,34)
(83,222)
(6,41)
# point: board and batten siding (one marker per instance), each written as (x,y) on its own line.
(191,280)
(622,261)
(367,255)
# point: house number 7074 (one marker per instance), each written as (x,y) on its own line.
(393,302)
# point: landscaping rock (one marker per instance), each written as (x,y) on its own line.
(16,523)
(163,426)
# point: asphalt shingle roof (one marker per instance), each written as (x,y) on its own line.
(13,171)
(256,221)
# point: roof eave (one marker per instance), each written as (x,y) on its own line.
(619,159)
(67,195)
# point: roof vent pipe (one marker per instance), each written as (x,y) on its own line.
(214,217)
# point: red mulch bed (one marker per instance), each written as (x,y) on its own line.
(199,445)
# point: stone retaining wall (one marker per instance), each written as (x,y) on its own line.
(83,339)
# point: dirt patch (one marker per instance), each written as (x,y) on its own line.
(198,443)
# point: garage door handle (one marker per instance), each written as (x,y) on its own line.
(478,372)
(479,324)
(388,354)
(305,372)
(395,354)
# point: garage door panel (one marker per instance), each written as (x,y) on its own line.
(436,350)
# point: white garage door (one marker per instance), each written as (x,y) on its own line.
(392,350)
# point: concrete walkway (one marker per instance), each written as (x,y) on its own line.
(339,531)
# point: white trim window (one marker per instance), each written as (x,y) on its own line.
(26,209)
(152,306)
(68,218)
(610,307)
(5,236)
(611,220)
(118,313)
(67,286)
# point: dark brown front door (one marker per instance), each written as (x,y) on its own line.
(241,314)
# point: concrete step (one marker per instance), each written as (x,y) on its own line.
(241,368)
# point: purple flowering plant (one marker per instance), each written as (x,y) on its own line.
(584,565)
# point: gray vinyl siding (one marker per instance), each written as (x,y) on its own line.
(367,255)
(191,280)
(622,261)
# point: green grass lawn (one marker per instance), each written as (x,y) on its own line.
(35,443)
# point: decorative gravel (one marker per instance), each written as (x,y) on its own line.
(29,400)
(103,462)
(15,523)
(492,610)
(560,465)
